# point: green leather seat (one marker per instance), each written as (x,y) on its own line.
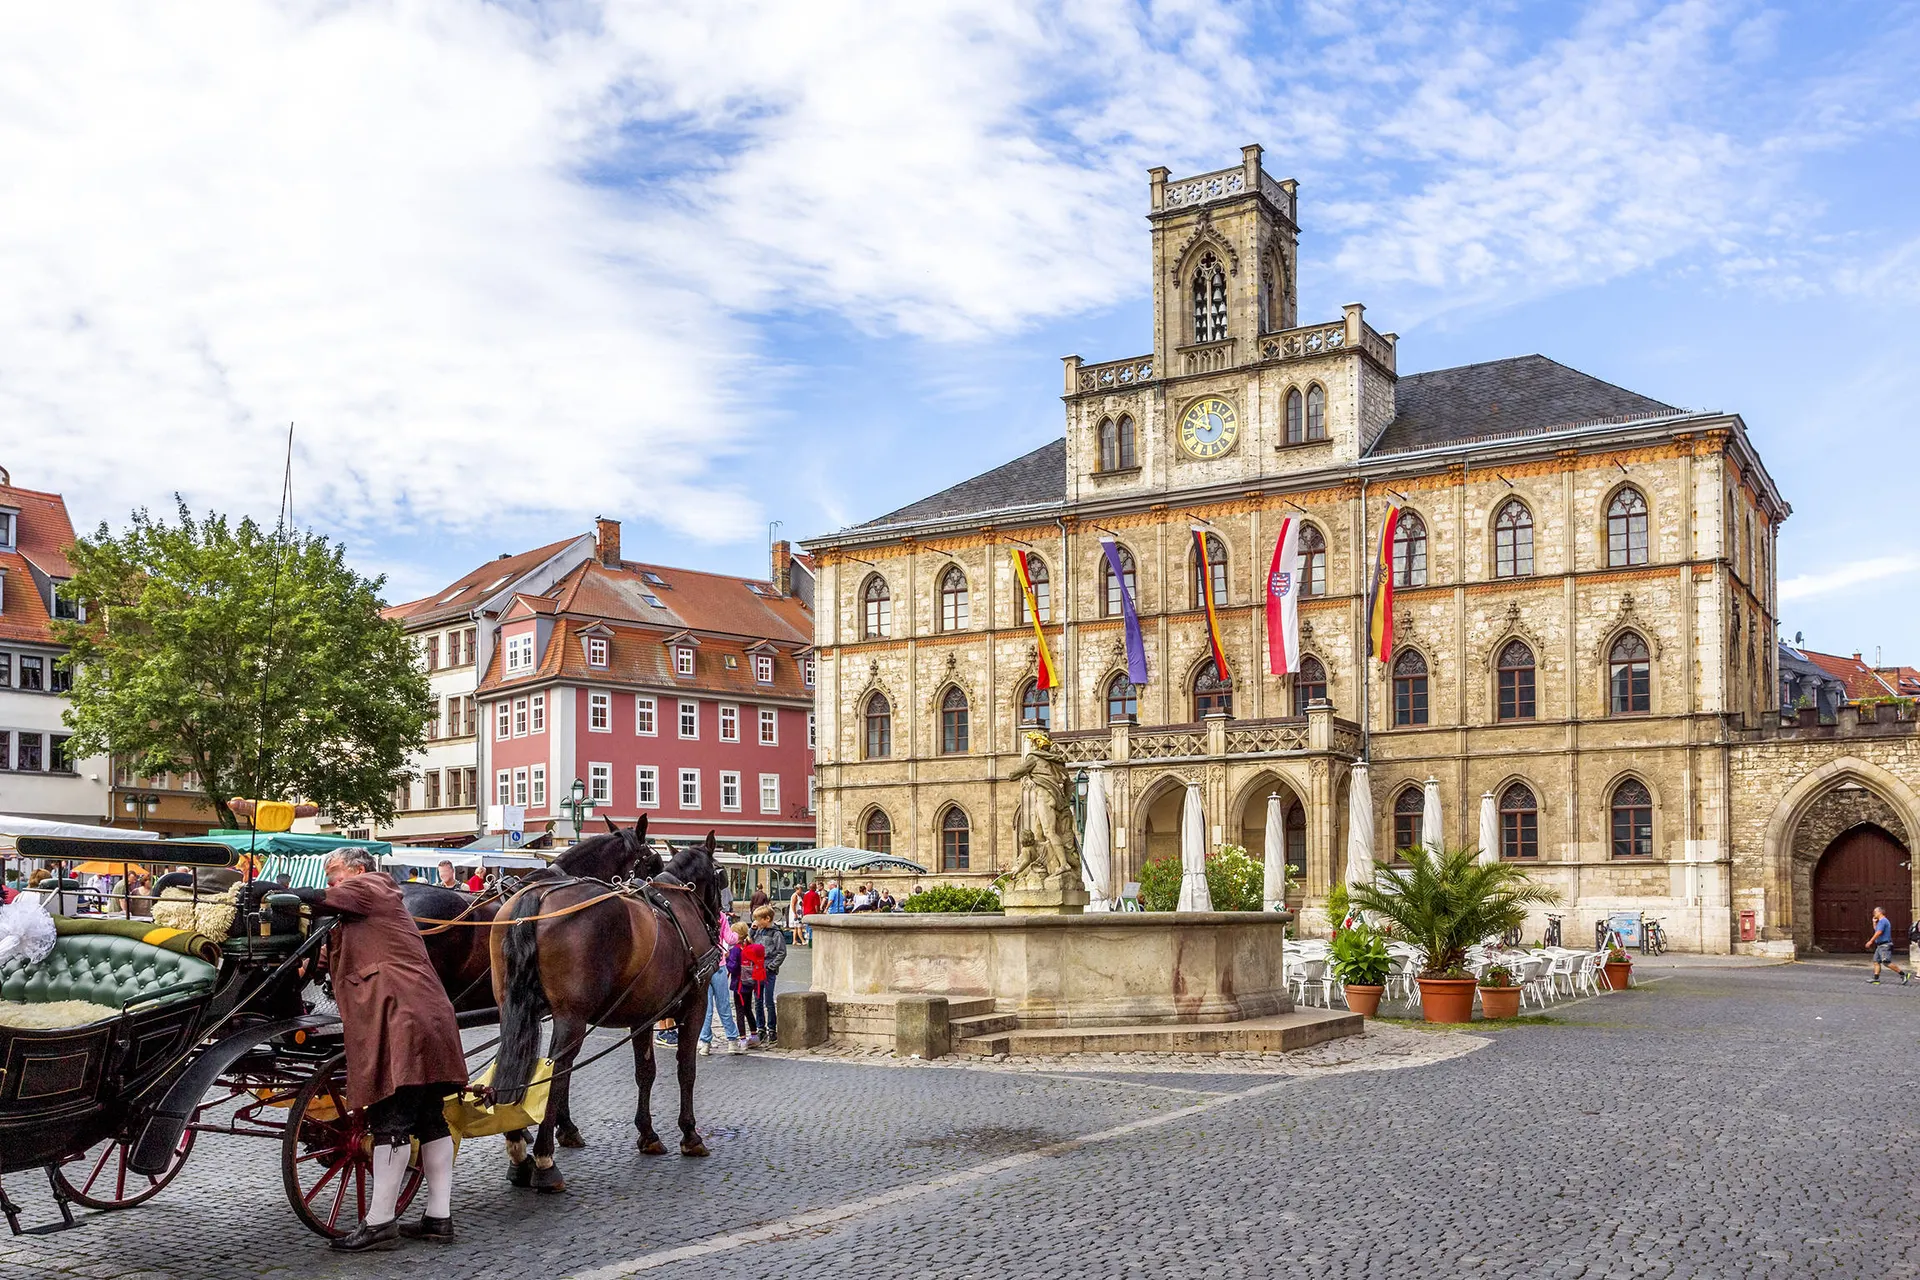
(107,970)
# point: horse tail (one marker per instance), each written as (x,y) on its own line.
(523,1002)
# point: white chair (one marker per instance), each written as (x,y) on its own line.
(1311,971)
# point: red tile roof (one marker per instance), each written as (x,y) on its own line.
(459,598)
(1859,677)
(41,542)
(709,603)
(1905,679)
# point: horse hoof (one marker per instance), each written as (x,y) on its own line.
(570,1137)
(548,1181)
(694,1147)
(651,1146)
(520,1174)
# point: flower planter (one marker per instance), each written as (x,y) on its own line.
(1364,1000)
(1447,999)
(1617,973)
(1499,1002)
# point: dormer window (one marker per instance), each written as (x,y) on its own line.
(682,660)
(763,668)
(1209,300)
(520,652)
(8,522)
(806,672)
(596,651)
(66,605)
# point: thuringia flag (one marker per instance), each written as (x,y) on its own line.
(1206,594)
(1047,676)
(1380,598)
(1283,601)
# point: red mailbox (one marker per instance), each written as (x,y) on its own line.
(1749,927)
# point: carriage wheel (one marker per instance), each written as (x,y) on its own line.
(100,1179)
(326,1155)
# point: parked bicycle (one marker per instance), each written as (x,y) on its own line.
(1653,938)
(1553,931)
(1510,939)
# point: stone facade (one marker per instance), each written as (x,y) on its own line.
(1451,449)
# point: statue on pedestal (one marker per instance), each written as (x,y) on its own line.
(1046,875)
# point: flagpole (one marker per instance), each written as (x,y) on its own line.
(1366,662)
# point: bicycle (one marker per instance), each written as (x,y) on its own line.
(1553,931)
(1510,939)
(1653,938)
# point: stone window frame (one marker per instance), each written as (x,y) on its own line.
(1029,693)
(884,629)
(1307,591)
(953,606)
(1500,792)
(867,726)
(1325,683)
(1195,674)
(1042,592)
(1494,666)
(1107,691)
(1605,524)
(1493,540)
(941,828)
(1222,572)
(1426,551)
(1398,808)
(1657,838)
(953,721)
(1394,676)
(1605,671)
(867,830)
(1105,577)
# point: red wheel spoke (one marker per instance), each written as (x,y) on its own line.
(120,1173)
(339,1198)
(100,1164)
(324,1179)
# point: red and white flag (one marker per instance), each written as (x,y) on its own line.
(1283,601)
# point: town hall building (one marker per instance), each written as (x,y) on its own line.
(1584,619)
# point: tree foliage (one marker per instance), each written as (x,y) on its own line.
(1235,880)
(1445,902)
(954,897)
(260,664)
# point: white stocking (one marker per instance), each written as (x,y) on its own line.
(436,1158)
(389,1173)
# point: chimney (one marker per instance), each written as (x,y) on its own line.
(783,567)
(607,533)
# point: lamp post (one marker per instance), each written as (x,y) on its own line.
(578,808)
(140,804)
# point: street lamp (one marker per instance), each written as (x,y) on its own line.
(140,805)
(578,808)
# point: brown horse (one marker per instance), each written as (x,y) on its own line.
(624,961)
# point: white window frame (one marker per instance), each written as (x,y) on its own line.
(600,783)
(806,672)
(769,726)
(812,794)
(729,787)
(649,708)
(689,776)
(520,717)
(729,722)
(520,652)
(537,714)
(813,732)
(503,787)
(503,720)
(520,786)
(597,651)
(682,660)
(687,706)
(646,785)
(537,787)
(769,793)
(599,712)
(763,668)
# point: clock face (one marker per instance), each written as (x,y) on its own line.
(1209,428)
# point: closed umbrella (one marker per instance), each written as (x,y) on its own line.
(1193,855)
(1430,819)
(1360,865)
(1489,830)
(1273,889)
(1096,853)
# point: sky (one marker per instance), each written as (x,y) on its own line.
(705,266)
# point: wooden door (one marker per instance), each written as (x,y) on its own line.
(1862,869)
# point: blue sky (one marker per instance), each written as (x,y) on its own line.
(702,266)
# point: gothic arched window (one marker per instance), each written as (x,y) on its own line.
(1036,706)
(876,607)
(1515,671)
(1409,551)
(1632,810)
(1123,700)
(1269,297)
(1209,300)
(953,723)
(1409,688)
(1128,457)
(1629,676)
(953,599)
(1109,445)
(877,835)
(1216,565)
(1627,529)
(1513,541)
(1316,413)
(1042,587)
(1296,417)
(1519,822)
(1110,585)
(1409,819)
(1313,561)
(1210,692)
(879,727)
(1309,685)
(953,840)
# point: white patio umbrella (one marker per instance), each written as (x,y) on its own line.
(1273,889)
(1489,830)
(1193,855)
(1360,865)
(1430,834)
(1096,844)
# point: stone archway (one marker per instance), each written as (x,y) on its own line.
(1836,797)
(1862,868)
(1156,824)
(1247,825)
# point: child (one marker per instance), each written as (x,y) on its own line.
(753,974)
(736,939)
(773,942)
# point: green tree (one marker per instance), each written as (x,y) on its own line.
(260,664)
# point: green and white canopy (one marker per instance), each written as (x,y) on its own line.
(837,858)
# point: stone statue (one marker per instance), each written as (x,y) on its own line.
(1049,860)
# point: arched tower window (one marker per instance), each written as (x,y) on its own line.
(1629,676)
(1042,588)
(1128,456)
(1309,685)
(1296,417)
(1036,707)
(953,599)
(1210,692)
(1270,318)
(1110,585)
(1515,672)
(1409,688)
(877,835)
(1216,565)
(1316,413)
(876,609)
(1409,551)
(1627,529)
(879,719)
(1519,822)
(1313,561)
(1123,701)
(1513,541)
(953,723)
(1209,300)
(1409,819)
(953,840)
(1109,445)
(1632,811)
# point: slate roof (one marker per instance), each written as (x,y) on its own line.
(1037,477)
(1497,398)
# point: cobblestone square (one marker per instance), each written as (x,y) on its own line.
(1715,1122)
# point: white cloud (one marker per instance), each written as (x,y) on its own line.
(1847,575)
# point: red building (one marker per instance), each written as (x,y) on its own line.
(682,695)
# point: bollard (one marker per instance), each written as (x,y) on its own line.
(920,1027)
(802,1018)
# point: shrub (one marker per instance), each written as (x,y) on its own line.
(1497,977)
(1360,957)
(964,899)
(1234,881)
(1446,902)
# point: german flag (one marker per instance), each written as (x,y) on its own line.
(1380,598)
(1206,594)
(1047,677)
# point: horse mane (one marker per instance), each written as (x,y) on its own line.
(696,867)
(611,855)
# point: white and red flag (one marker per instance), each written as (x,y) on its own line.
(1283,601)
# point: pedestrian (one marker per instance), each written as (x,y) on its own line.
(735,938)
(720,1004)
(753,974)
(1881,944)
(448,880)
(476,882)
(403,1045)
(796,908)
(758,900)
(774,950)
(836,900)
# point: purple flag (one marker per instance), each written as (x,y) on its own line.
(1136,646)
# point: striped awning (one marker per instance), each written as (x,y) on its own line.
(836,858)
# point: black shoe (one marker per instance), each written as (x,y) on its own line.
(369,1239)
(428,1229)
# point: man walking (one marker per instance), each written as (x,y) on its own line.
(1881,944)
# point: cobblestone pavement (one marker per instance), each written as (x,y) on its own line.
(1714,1123)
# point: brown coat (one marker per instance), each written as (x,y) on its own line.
(399,1023)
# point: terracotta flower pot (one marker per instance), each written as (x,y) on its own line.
(1617,973)
(1499,1002)
(1364,1000)
(1447,999)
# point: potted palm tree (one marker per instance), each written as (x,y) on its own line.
(1444,902)
(1499,994)
(1361,962)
